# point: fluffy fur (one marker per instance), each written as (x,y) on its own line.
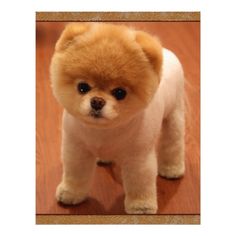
(132,132)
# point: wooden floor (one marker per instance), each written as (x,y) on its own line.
(107,196)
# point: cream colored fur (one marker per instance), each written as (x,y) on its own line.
(157,131)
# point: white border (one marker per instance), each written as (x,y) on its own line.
(17,126)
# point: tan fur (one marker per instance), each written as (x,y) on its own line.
(106,57)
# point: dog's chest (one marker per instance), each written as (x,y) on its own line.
(105,146)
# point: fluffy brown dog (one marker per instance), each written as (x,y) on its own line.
(123,99)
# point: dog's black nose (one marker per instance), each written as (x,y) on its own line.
(97,103)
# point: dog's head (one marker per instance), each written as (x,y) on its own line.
(105,74)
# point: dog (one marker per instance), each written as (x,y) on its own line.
(123,100)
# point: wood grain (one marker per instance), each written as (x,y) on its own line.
(106,197)
(118,219)
(117,16)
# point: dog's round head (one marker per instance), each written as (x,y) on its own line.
(105,74)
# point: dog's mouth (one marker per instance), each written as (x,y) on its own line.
(96,114)
(97,118)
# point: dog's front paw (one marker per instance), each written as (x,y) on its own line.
(146,206)
(171,171)
(69,195)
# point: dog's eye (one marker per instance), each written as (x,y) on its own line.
(119,93)
(83,88)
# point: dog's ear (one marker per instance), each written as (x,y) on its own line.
(70,32)
(152,48)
